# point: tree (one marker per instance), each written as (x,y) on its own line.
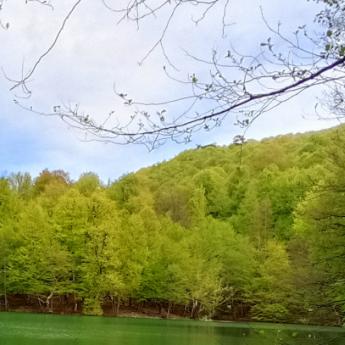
(320,221)
(272,289)
(214,183)
(22,184)
(49,273)
(284,66)
(88,183)
(100,263)
(9,210)
(70,218)
(234,256)
(50,179)
(165,275)
(254,217)
(183,203)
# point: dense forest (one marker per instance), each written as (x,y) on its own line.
(251,232)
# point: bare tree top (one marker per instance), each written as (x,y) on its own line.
(233,84)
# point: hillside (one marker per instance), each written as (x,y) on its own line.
(239,232)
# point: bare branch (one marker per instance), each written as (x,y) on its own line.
(22,82)
(243,85)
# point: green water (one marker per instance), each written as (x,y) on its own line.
(29,329)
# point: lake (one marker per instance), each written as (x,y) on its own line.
(30,329)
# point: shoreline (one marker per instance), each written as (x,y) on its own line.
(138,315)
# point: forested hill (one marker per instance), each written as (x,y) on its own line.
(240,232)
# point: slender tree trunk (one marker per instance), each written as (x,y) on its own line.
(49,302)
(112,304)
(194,309)
(169,309)
(185,310)
(74,297)
(75,303)
(118,305)
(5,286)
(6,302)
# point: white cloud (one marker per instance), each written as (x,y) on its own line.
(93,53)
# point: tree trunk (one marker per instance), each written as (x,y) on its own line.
(169,309)
(5,286)
(74,297)
(194,311)
(49,302)
(117,305)
(75,303)
(185,310)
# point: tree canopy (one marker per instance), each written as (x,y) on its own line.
(216,232)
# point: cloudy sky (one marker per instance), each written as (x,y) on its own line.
(94,53)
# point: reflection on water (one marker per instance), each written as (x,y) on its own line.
(29,329)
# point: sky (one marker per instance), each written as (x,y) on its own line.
(95,52)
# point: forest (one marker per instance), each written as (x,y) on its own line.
(239,232)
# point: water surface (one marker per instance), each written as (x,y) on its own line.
(30,329)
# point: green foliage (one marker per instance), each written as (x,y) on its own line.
(88,183)
(50,178)
(233,232)
(272,288)
(320,220)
